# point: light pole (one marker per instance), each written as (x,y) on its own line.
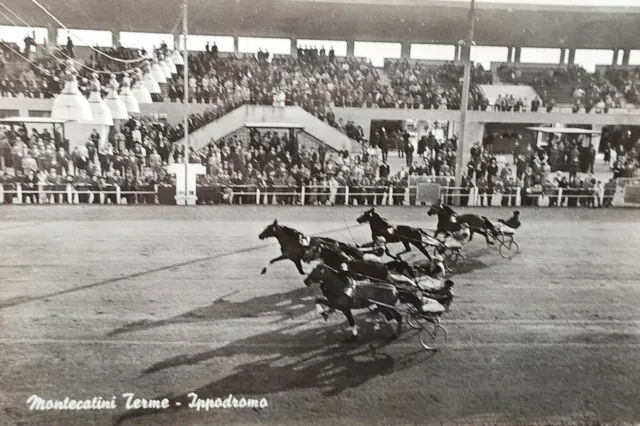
(465,46)
(185,54)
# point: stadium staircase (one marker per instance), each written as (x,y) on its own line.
(315,130)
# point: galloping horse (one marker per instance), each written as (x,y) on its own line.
(292,248)
(367,293)
(406,235)
(450,221)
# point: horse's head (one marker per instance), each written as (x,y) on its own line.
(269,231)
(317,275)
(436,208)
(367,216)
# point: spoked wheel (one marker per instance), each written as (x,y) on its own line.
(432,334)
(508,248)
(453,259)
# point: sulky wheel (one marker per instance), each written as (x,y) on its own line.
(453,259)
(432,335)
(508,248)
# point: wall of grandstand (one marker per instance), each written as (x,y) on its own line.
(30,107)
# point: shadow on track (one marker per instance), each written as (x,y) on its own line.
(26,299)
(291,304)
(292,359)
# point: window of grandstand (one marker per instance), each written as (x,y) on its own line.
(339,47)
(275,46)
(484,55)
(589,58)
(199,43)
(38,113)
(17,35)
(148,41)
(86,38)
(437,52)
(536,55)
(377,52)
(634,57)
(5,113)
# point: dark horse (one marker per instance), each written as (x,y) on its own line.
(333,285)
(292,248)
(406,235)
(450,221)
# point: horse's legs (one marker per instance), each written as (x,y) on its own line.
(277,259)
(352,322)
(390,313)
(299,266)
(423,250)
(321,301)
(486,236)
(407,248)
(470,235)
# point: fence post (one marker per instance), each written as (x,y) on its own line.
(472,197)
(559,197)
(2,194)
(346,195)
(518,197)
(601,197)
(407,197)
(258,196)
(302,195)
(118,195)
(390,197)
(40,193)
(19,193)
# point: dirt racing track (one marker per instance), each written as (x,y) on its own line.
(164,301)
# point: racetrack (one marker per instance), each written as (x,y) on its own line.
(163,301)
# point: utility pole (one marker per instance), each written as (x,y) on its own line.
(466,84)
(185,54)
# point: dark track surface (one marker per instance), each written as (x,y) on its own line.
(98,301)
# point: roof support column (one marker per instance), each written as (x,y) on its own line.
(457,53)
(405,50)
(351,47)
(115,39)
(236,44)
(572,56)
(294,47)
(616,57)
(626,53)
(563,55)
(516,56)
(510,55)
(52,35)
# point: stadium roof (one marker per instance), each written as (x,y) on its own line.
(416,21)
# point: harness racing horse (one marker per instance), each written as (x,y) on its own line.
(449,221)
(293,248)
(334,287)
(407,235)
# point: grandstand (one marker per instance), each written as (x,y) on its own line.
(343,70)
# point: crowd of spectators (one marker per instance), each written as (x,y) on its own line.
(418,85)
(587,90)
(627,81)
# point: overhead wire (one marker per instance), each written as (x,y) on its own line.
(124,61)
(52,54)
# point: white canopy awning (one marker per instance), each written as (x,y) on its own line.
(564,130)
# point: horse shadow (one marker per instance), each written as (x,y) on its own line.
(291,304)
(292,360)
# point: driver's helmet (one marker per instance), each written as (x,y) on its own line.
(344,267)
(380,240)
(305,241)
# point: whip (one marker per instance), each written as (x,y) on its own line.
(349,229)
